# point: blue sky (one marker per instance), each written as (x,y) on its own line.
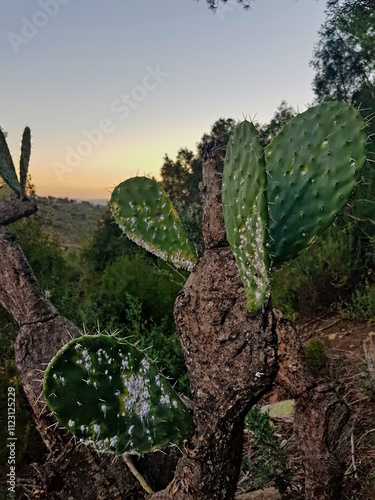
(109,87)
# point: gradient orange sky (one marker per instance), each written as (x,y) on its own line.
(108,88)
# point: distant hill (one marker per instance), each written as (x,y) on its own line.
(99,201)
(69,220)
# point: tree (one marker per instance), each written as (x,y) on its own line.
(283,114)
(215,4)
(177,176)
(344,57)
(181,178)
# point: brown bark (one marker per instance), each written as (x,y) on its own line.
(230,354)
(13,208)
(322,420)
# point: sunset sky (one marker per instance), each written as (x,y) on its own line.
(109,87)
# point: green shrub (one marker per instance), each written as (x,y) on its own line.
(138,277)
(324,276)
(362,304)
(266,460)
(315,357)
(59,276)
(163,344)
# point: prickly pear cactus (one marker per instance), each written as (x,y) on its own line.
(24,160)
(111,396)
(308,172)
(7,170)
(146,215)
(313,164)
(245,211)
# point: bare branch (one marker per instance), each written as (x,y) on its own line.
(13,209)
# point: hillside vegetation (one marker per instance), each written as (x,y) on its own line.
(71,221)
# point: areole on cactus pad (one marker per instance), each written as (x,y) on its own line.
(145,213)
(111,396)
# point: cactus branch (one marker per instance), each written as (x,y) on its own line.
(7,170)
(24,161)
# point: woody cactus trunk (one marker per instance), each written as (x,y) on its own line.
(260,209)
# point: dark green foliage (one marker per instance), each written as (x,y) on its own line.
(266,459)
(361,304)
(322,277)
(163,345)
(135,296)
(58,276)
(110,395)
(344,57)
(133,293)
(130,279)
(191,218)
(181,178)
(364,200)
(215,4)
(107,243)
(315,357)
(283,114)
(222,129)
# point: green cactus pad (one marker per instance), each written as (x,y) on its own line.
(7,170)
(24,160)
(313,165)
(146,215)
(245,211)
(111,396)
